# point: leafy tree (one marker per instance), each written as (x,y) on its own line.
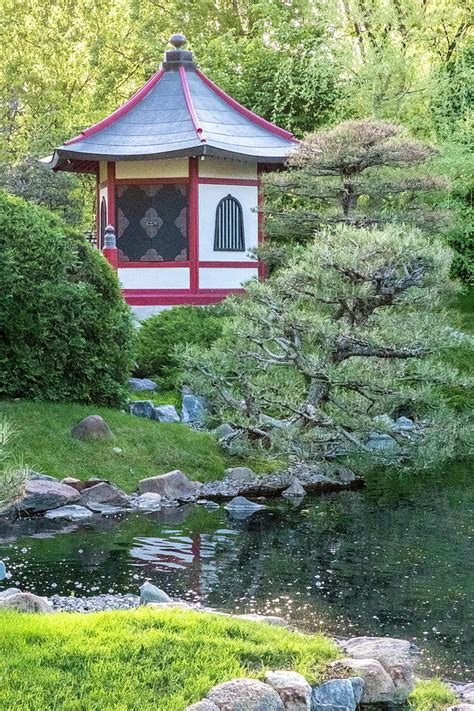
(348,174)
(65,331)
(352,330)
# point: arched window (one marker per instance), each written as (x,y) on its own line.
(229,228)
(103,222)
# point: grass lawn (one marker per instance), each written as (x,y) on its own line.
(140,660)
(45,444)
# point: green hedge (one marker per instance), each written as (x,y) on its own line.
(162,335)
(66,333)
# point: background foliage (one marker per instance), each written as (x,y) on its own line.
(65,331)
(304,64)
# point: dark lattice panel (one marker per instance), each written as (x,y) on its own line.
(229,228)
(152,223)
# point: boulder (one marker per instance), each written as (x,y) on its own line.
(466,692)
(378,685)
(296,489)
(104,493)
(379,441)
(69,513)
(3,570)
(292,688)
(92,427)
(240,475)
(192,409)
(151,593)
(173,485)
(43,494)
(337,695)
(9,591)
(148,502)
(203,705)
(25,602)
(404,424)
(71,481)
(138,385)
(398,657)
(241,505)
(264,619)
(224,430)
(245,695)
(462,706)
(142,408)
(39,475)
(165,413)
(106,509)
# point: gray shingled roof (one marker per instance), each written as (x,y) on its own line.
(165,123)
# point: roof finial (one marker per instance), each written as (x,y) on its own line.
(178,41)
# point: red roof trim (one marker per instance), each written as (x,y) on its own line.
(246,112)
(190,105)
(121,111)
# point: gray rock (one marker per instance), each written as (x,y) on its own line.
(240,507)
(404,424)
(240,475)
(399,657)
(173,485)
(337,695)
(224,430)
(378,685)
(9,591)
(384,421)
(461,707)
(70,481)
(25,602)
(382,442)
(3,570)
(69,513)
(148,502)
(43,494)
(245,695)
(138,385)
(150,593)
(192,409)
(292,688)
(296,488)
(165,413)
(466,692)
(103,493)
(92,427)
(39,475)
(203,705)
(272,620)
(142,408)
(106,509)
(117,450)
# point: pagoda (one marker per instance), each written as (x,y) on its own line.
(178,171)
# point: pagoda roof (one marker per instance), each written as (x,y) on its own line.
(179,112)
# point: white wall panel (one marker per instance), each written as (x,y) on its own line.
(224,277)
(209,197)
(154,278)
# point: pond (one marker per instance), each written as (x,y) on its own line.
(392,559)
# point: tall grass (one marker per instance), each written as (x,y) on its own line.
(12,477)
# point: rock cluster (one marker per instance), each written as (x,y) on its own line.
(192,411)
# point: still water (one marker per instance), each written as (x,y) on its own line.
(391,560)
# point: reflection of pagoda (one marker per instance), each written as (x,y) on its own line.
(178,170)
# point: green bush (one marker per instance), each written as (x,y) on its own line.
(161,336)
(66,333)
(432,695)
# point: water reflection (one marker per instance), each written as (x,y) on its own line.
(394,560)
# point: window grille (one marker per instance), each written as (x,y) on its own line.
(229,228)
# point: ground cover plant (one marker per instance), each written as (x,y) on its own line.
(161,661)
(432,695)
(66,333)
(149,447)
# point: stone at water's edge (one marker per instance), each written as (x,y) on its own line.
(142,408)
(245,695)
(272,620)
(337,695)
(8,592)
(69,513)
(3,570)
(150,593)
(239,475)
(378,685)
(139,385)
(173,485)
(148,502)
(92,427)
(166,413)
(43,494)
(203,705)
(242,507)
(26,602)
(295,489)
(104,493)
(292,688)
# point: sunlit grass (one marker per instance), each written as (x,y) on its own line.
(432,695)
(145,659)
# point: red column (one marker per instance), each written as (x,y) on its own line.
(110,250)
(194,224)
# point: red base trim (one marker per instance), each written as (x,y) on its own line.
(175,297)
